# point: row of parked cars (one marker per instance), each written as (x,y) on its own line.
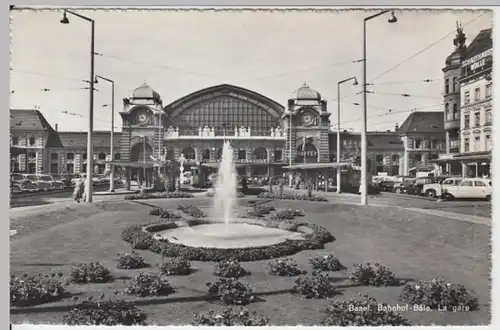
(445,187)
(21,182)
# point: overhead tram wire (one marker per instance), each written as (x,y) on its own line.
(423,50)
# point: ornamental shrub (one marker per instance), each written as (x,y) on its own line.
(155,211)
(260,211)
(35,290)
(229,268)
(286,214)
(192,210)
(379,275)
(364,312)
(92,272)
(171,215)
(327,262)
(231,291)
(131,261)
(175,266)
(284,267)
(440,294)
(230,316)
(105,312)
(148,285)
(317,285)
(158,195)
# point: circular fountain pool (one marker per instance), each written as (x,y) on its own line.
(228,236)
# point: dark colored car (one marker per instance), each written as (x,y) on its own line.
(385,185)
(404,187)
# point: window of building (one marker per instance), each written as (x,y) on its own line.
(242,154)
(418,144)
(32,155)
(434,156)
(53,156)
(418,158)
(69,168)
(455,111)
(487,118)
(32,141)
(395,158)
(447,86)
(477,119)
(466,97)
(477,94)
(102,156)
(435,144)
(70,156)
(277,155)
(466,145)
(447,111)
(379,158)
(117,156)
(260,153)
(84,156)
(54,168)
(488,142)
(15,140)
(466,121)
(477,143)
(454,84)
(488,90)
(380,169)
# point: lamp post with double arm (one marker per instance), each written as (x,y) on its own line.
(338,128)
(111,140)
(364,143)
(90,153)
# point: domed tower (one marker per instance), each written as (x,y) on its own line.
(451,94)
(143,121)
(306,125)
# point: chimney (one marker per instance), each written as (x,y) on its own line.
(396,128)
(56,127)
(291,103)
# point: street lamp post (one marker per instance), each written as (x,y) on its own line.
(290,177)
(90,153)
(338,128)
(364,142)
(111,148)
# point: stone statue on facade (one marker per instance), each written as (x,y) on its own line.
(278,132)
(242,131)
(199,131)
(236,131)
(212,132)
(206,131)
(249,132)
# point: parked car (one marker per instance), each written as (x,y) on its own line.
(20,182)
(418,185)
(405,185)
(470,188)
(53,183)
(385,185)
(60,181)
(39,183)
(434,189)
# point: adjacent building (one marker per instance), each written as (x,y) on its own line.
(424,138)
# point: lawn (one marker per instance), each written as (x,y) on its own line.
(414,246)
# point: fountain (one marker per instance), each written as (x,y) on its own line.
(226,186)
(224,230)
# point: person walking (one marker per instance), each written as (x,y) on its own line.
(79,190)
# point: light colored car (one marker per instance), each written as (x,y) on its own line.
(435,189)
(39,183)
(19,180)
(471,188)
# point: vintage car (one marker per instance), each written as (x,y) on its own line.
(39,183)
(20,184)
(53,183)
(434,189)
(469,188)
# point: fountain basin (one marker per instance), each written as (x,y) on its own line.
(228,236)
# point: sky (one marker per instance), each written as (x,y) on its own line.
(272,52)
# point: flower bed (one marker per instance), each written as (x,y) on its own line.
(159,195)
(148,285)
(92,272)
(192,210)
(35,290)
(317,285)
(230,317)
(379,275)
(212,194)
(286,214)
(315,238)
(440,294)
(303,197)
(284,267)
(165,214)
(131,261)
(229,269)
(105,312)
(326,263)
(364,312)
(230,291)
(175,266)
(260,211)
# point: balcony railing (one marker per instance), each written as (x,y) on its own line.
(236,133)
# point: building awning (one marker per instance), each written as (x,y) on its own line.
(313,166)
(473,157)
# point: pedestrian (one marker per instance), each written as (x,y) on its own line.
(79,190)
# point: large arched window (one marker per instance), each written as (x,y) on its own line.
(260,153)
(224,114)
(205,154)
(189,153)
(70,156)
(101,156)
